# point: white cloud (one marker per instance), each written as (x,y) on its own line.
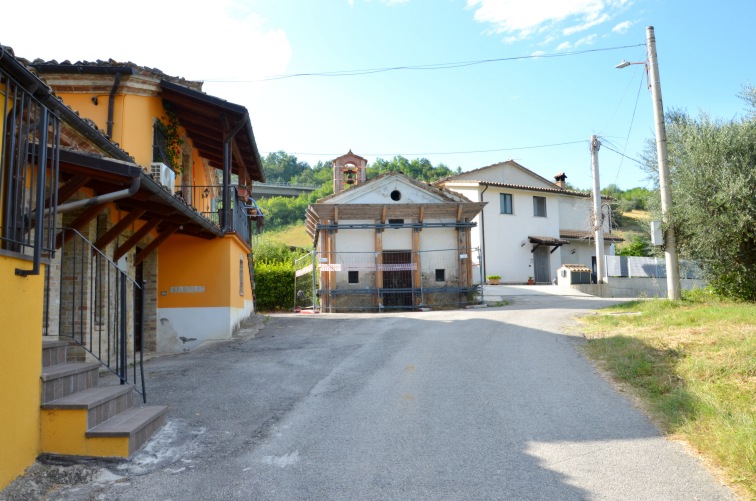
(538,53)
(522,19)
(187,39)
(564,46)
(589,23)
(393,2)
(589,40)
(622,27)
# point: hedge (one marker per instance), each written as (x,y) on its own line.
(274,286)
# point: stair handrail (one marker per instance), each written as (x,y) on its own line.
(119,349)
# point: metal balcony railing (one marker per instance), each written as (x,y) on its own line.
(207,200)
(29,160)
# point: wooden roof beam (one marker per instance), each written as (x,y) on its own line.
(81,221)
(71,187)
(118,228)
(135,238)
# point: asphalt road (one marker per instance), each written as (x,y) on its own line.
(494,403)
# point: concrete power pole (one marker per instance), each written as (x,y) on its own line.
(670,242)
(598,216)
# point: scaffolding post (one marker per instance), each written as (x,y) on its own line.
(314,279)
(480,271)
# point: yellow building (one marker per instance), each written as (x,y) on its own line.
(121,233)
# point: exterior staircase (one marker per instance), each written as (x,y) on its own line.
(81,418)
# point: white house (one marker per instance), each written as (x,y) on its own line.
(391,243)
(530,225)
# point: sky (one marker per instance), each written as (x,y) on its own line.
(538,76)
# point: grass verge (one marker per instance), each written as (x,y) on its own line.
(693,365)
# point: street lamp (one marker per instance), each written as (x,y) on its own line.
(670,242)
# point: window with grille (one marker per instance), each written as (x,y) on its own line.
(241,276)
(505,202)
(354,277)
(440,275)
(539,206)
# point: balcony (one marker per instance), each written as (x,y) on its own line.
(245,215)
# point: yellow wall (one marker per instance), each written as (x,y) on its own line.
(133,117)
(185,261)
(20,367)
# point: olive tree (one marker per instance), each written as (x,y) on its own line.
(713,180)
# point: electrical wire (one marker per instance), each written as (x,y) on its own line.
(433,66)
(622,154)
(630,129)
(442,152)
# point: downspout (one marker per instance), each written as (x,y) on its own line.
(111,103)
(483,235)
(99,199)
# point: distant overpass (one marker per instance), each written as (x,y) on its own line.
(267,190)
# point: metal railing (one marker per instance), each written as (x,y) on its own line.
(28,173)
(208,201)
(289,185)
(96,308)
(440,278)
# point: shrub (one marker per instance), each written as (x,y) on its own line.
(274,285)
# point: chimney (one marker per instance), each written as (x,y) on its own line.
(561,180)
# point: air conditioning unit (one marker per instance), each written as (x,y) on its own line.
(164,175)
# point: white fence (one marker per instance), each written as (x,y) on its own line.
(647,267)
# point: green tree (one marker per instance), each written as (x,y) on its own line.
(418,168)
(280,167)
(637,246)
(713,181)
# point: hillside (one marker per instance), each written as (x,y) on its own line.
(293,236)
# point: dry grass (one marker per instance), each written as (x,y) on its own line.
(693,364)
(295,236)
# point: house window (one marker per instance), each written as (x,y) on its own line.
(241,276)
(539,206)
(505,203)
(354,277)
(440,275)
(396,222)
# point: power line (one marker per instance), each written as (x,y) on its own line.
(622,154)
(433,66)
(632,122)
(444,152)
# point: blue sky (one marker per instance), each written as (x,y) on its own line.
(469,116)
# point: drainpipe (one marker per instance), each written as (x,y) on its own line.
(111,103)
(99,199)
(483,236)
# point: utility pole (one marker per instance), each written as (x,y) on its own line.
(670,241)
(598,215)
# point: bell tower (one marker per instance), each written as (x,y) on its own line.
(348,170)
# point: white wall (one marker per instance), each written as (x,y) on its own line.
(183,329)
(505,254)
(623,287)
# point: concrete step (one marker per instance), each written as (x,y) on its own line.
(137,425)
(53,352)
(100,402)
(61,380)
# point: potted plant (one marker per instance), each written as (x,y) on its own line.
(493,279)
(531,281)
